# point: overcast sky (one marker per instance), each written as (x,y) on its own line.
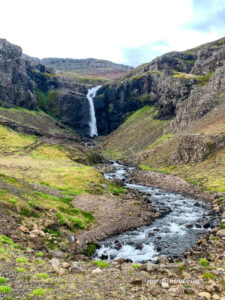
(124,31)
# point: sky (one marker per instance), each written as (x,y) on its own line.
(131,32)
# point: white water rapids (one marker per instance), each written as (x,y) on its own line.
(90,95)
(183,221)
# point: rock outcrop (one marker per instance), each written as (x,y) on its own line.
(194,148)
(182,86)
(29,84)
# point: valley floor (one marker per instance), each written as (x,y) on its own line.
(54,200)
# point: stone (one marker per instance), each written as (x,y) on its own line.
(60,271)
(97,271)
(38,232)
(76,268)
(137,281)
(58,253)
(210,289)
(216,297)
(204,295)
(154,291)
(55,262)
(24,229)
(150,267)
(221,233)
(65,265)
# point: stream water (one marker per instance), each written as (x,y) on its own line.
(90,95)
(184,221)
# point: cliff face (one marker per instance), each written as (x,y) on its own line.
(182,86)
(32,85)
(16,87)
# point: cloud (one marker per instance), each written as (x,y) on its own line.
(144,53)
(208,15)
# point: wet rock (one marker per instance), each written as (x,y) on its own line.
(198,225)
(151,234)
(118,245)
(139,246)
(120,261)
(127,260)
(159,248)
(189,226)
(207,225)
(104,257)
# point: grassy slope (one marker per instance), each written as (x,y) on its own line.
(135,134)
(153,148)
(39,179)
(50,166)
(37,120)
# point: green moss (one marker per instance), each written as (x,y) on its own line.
(101,264)
(13,201)
(204,262)
(115,189)
(222,225)
(160,140)
(136,266)
(22,260)
(40,254)
(3,280)
(168,170)
(90,250)
(37,292)
(208,276)
(41,98)
(203,80)
(6,240)
(42,275)
(5,289)
(52,103)
(20,270)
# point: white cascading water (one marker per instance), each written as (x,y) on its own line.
(90,95)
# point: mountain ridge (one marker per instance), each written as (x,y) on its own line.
(86,66)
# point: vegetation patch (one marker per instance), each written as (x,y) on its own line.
(204,262)
(101,264)
(5,289)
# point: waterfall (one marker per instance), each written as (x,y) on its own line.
(90,95)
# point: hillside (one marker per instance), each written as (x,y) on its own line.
(180,127)
(89,66)
(182,86)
